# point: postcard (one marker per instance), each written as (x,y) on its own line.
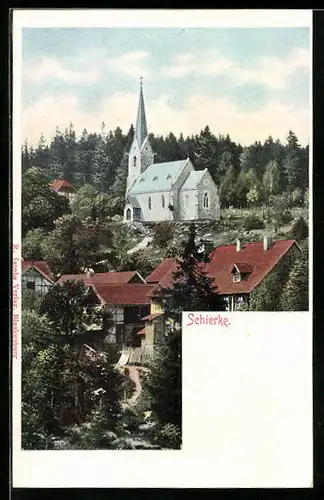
(161,283)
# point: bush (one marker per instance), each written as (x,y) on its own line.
(168,436)
(299,231)
(163,233)
(252,222)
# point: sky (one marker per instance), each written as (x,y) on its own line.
(246,82)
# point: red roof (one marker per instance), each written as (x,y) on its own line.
(124,294)
(40,265)
(109,278)
(253,260)
(58,184)
(161,270)
(150,317)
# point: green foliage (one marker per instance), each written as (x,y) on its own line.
(41,206)
(299,230)
(163,381)
(32,244)
(168,436)
(295,292)
(278,211)
(266,297)
(74,244)
(73,310)
(163,233)
(30,299)
(90,203)
(252,222)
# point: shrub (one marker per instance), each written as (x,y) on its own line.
(252,222)
(163,233)
(299,231)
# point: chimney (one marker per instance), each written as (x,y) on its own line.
(238,245)
(267,242)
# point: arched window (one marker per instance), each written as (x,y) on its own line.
(205,200)
(128,214)
(163,201)
(187,200)
(134,161)
(149,203)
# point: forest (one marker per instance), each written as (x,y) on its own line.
(244,175)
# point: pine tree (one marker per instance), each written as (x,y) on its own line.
(295,293)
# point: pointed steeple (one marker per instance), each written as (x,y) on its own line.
(141,126)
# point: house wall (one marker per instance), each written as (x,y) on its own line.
(188,200)
(32,278)
(156,307)
(157,212)
(207,185)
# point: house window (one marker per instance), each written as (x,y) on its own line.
(128,214)
(205,200)
(149,203)
(134,161)
(120,316)
(236,277)
(30,284)
(163,201)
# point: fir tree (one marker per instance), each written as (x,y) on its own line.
(295,293)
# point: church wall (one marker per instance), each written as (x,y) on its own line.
(188,204)
(157,212)
(177,186)
(147,157)
(133,171)
(207,185)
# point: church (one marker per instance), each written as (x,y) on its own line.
(170,191)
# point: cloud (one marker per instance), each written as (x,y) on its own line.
(88,68)
(51,68)
(271,71)
(198,111)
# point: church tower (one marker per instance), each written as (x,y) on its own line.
(140,154)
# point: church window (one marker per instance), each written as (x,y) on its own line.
(187,200)
(149,203)
(206,200)
(134,161)
(128,214)
(163,201)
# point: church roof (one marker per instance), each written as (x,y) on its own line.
(193,179)
(141,125)
(157,177)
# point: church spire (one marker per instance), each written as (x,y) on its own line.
(141,126)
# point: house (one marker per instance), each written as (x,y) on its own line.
(64,188)
(237,269)
(168,191)
(36,276)
(127,304)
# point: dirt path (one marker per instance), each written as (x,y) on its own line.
(134,376)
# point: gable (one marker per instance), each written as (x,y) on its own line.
(193,180)
(158,177)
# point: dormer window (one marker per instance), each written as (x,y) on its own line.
(169,176)
(155,178)
(142,179)
(236,277)
(241,271)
